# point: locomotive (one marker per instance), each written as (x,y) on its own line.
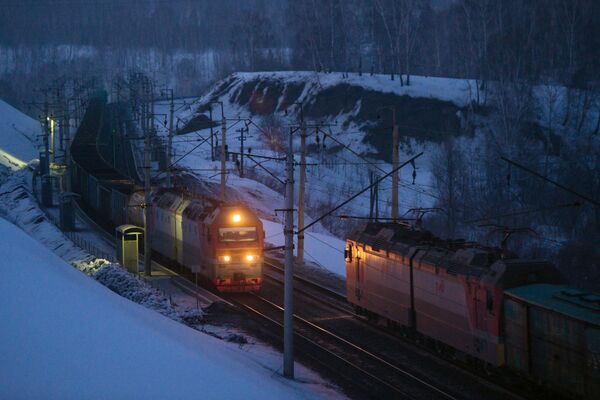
(223,244)
(478,301)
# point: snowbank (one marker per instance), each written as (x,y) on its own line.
(18,135)
(65,336)
(457,91)
(324,250)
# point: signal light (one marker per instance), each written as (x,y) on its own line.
(236,218)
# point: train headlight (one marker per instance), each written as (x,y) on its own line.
(226,258)
(236,217)
(250,258)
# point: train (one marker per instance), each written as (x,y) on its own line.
(222,244)
(479,302)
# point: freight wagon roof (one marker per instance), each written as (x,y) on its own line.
(578,304)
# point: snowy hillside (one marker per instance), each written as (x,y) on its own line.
(349,110)
(18,136)
(66,336)
(462,128)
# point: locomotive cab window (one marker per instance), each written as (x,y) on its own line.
(247,234)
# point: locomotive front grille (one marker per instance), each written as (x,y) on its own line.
(238,276)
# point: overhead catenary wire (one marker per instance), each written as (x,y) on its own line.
(360,192)
(532,172)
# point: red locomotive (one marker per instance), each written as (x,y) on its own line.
(446,290)
(222,244)
(479,301)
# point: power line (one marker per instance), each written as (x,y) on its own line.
(532,172)
(411,160)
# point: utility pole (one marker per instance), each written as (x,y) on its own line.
(395,156)
(223,151)
(212,140)
(170,140)
(300,251)
(147,195)
(45,167)
(52,142)
(288,290)
(67,137)
(242,151)
(46,137)
(373,197)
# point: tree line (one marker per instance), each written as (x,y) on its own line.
(539,40)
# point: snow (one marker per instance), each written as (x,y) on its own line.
(330,178)
(18,135)
(457,91)
(66,336)
(324,250)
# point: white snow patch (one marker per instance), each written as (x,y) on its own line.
(66,336)
(18,137)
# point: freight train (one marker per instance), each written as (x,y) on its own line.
(478,302)
(221,243)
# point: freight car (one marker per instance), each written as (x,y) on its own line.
(454,292)
(222,244)
(552,334)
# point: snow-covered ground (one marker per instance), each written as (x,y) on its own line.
(18,137)
(66,336)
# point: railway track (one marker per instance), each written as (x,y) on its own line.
(337,301)
(368,371)
(311,289)
(372,376)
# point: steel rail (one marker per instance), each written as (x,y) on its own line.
(325,350)
(346,310)
(319,287)
(380,330)
(362,351)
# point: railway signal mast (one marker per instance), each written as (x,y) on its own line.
(223,148)
(300,251)
(169,93)
(288,289)
(147,121)
(395,157)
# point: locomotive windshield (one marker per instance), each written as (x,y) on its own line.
(247,234)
